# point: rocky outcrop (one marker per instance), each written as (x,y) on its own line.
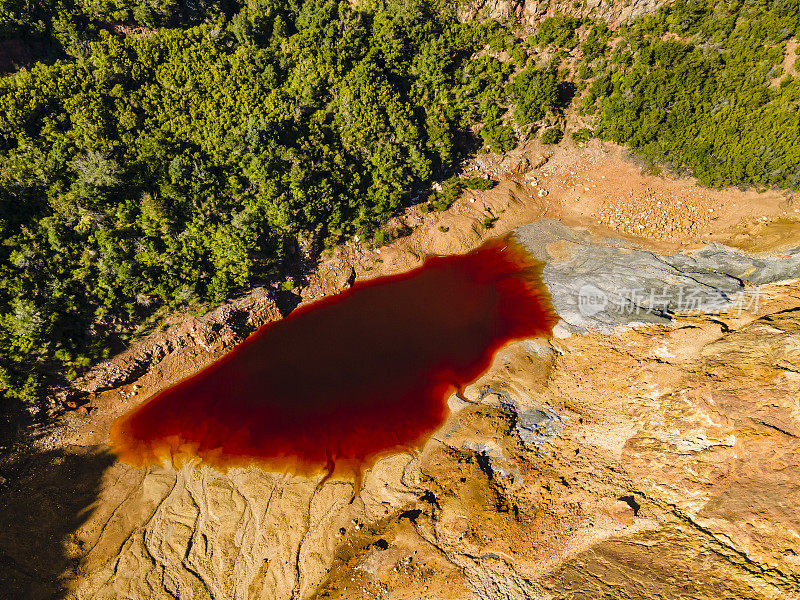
(531,11)
(214,331)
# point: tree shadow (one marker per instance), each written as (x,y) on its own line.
(45,497)
(566,92)
(287,301)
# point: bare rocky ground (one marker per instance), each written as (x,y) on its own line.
(530,12)
(638,458)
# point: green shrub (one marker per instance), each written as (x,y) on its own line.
(559,30)
(596,42)
(478,183)
(552,135)
(584,134)
(498,136)
(534,93)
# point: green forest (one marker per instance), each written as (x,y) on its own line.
(187,164)
(700,87)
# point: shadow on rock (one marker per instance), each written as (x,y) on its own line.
(47,496)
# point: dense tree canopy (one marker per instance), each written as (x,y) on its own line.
(700,86)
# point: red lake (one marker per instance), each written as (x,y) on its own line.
(342,381)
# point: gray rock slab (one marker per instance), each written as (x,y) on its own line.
(604,284)
(535,425)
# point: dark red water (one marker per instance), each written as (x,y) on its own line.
(346,379)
